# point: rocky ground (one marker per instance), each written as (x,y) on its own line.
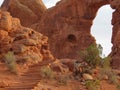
(32,79)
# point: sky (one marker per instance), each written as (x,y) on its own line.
(101,28)
(50,3)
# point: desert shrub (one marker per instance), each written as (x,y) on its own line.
(47,72)
(106,62)
(118,86)
(92,55)
(63,80)
(11,62)
(106,70)
(92,84)
(105,67)
(113,78)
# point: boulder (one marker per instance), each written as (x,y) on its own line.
(87,76)
(69,63)
(59,67)
(5,21)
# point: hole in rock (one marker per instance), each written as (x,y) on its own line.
(102,28)
(45,47)
(71,38)
(50,3)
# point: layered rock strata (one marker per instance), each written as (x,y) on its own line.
(68,24)
(115,4)
(25,43)
(28,11)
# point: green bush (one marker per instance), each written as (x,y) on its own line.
(92,84)
(106,70)
(92,55)
(11,62)
(106,62)
(47,72)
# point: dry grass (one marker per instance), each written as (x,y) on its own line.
(93,84)
(11,62)
(47,72)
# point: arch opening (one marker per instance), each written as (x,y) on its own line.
(102,28)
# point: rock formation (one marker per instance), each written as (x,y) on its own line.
(67,24)
(28,11)
(27,44)
(115,4)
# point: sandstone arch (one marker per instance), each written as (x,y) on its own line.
(73,17)
(70,17)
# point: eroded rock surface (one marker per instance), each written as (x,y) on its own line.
(27,44)
(67,24)
(115,4)
(28,11)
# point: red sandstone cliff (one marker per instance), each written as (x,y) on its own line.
(67,24)
(28,11)
(27,44)
(115,4)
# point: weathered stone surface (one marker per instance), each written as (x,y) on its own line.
(69,63)
(28,11)
(5,22)
(3,84)
(115,4)
(67,24)
(59,67)
(26,43)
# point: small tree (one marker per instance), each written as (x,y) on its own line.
(92,55)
